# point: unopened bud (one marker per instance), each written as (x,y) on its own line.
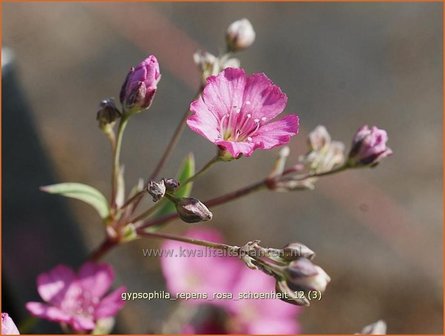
(376,328)
(108,112)
(294,251)
(156,190)
(302,274)
(240,35)
(140,86)
(192,210)
(319,138)
(289,295)
(171,184)
(369,147)
(210,65)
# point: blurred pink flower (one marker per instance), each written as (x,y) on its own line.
(77,300)
(188,272)
(224,274)
(235,112)
(8,326)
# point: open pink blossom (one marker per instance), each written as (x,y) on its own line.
(236,111)
(192,271)
(8,325)
(77,300)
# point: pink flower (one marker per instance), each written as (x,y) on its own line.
(8,326)
(194,269)
(236,112)
(204,273)
(77,300)
(369,146)
(140,86)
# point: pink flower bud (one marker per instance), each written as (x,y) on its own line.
(8,326)
(369,147)
(140,86)
(240,35)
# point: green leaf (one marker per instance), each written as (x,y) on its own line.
(186,170)
(81,192)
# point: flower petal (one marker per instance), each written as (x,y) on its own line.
(265,99)
(203,121)
(97,278)
(237,148)
(53,285)
(47,312)
(224,92)
(276,133)
(82,323)
(111,304)
(8,326)
(272,326)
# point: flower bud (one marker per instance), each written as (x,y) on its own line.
(171,184)
(319,138)
(140,86)
(192,210)
(240,35)
(294,251)
(289,295)
(108,113)
(369,147)
(210,65)
(156,190)
(376,328)
(302,274)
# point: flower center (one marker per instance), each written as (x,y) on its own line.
(239,124)
(80,302)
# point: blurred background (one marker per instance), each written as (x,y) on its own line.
(377,232)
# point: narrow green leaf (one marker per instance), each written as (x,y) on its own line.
(186,170)
(81,192)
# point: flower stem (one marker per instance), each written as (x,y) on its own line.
(212,202)
(201,171)
(147,213)
(106,246)
(116,159)
(173,142)
(218,246)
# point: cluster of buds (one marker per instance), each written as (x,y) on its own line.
(239,36)
(298,280)
(326,156)
(189,209)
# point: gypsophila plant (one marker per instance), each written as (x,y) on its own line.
(238,113)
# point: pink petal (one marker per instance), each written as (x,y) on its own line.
(96,278)
(265,98)
(276,133)
(8,326)
(237,148)
(189,272)
(224,92)
(44,311)
(273,326)
(203,121)
(53,285)
(111,304)
(82,323)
